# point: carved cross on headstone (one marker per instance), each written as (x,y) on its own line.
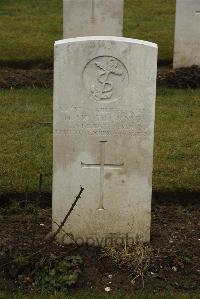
(198,12)
(102,165)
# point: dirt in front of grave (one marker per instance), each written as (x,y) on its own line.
(23,78)
(42,76)
(175,264)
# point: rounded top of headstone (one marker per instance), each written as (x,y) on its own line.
(106,38)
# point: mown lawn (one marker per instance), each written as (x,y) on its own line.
(26,143)
(136,295)
(152,21)
(26,140)
(28,29)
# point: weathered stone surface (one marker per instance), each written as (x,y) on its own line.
(187,33)
(92,17)
(104,103)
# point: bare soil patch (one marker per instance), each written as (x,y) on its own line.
(188,77)
(19,78)
(175,265)
(41,75)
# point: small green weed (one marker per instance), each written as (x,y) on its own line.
(59,275)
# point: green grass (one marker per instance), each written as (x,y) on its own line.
(177,140)
(135,295)
(29,28)
(26,144)
(152,21)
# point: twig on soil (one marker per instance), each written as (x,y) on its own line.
(51,236)
(67,234)
(26,199)
(37,204)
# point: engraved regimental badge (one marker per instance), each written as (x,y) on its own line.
(105,78)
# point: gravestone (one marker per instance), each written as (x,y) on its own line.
(187,33)
(104,103)
(92,17)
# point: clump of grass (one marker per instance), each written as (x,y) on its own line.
(134,258)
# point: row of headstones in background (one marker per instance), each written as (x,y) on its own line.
(104,106)
(92,17)
(105,17)
(187,33)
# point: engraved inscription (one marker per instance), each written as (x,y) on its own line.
(105,78)
(102,165)
(102,121)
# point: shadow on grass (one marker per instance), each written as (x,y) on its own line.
(178,197)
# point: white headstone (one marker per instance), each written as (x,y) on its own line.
(187,33)
(104,103)
(92,17)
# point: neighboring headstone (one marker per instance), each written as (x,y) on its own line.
(187,33)
(92,17)
(104,103)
